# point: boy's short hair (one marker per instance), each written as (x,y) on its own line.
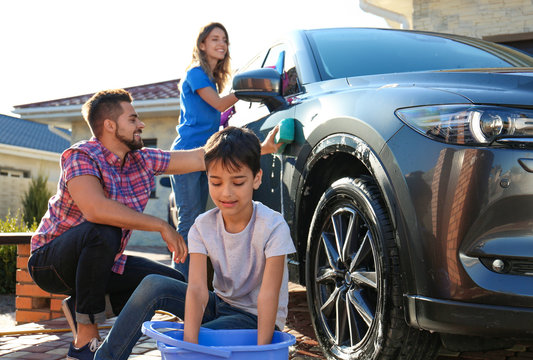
(234,147)
(104,105)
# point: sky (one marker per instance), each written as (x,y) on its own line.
(61,48)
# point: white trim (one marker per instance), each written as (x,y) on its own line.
(385,13)
(28,152)
(68,111)
(159,103)
(59,133)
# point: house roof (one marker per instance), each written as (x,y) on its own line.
(155,91)
(29,134)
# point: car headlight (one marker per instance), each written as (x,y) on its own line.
(465,124)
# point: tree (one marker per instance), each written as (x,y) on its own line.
(35,200)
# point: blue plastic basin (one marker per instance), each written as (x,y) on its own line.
(216,344)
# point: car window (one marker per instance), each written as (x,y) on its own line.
(273,55)
(290,78)
(356,52)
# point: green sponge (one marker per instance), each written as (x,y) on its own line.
(285,134)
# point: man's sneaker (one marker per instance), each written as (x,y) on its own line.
(68,306)
(86,352)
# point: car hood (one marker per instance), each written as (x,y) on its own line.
(505,86)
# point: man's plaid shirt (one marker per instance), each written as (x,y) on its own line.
(129,184)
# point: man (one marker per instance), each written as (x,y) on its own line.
(104,186)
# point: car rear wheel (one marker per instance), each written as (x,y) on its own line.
(353,278)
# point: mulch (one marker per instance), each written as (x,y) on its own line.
(299,323)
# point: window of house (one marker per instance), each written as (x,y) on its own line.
(14,173)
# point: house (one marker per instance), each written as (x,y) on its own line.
(503,21)
(158,107)
(27,149)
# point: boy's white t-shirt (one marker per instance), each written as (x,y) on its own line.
(239,259)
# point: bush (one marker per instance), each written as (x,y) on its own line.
(35,200)
(8,253)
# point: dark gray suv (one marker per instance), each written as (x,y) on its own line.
(408,186)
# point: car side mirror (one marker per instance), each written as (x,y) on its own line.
(261,85)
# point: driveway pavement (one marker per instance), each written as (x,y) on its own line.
(49,340)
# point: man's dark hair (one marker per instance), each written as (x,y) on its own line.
(234,147)
(104,105)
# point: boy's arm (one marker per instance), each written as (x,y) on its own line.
(197,297)
(268,298)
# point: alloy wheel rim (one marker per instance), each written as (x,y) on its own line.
(346,291)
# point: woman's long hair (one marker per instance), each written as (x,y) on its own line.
(221,73)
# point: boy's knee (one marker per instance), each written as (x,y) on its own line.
(149,288)
(155,285)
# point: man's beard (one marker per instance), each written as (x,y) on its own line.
(130,143)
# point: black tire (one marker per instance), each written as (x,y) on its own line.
(353,279)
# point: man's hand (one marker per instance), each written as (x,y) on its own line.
(269,145)
(175,243)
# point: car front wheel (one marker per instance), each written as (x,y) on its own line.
(353,278)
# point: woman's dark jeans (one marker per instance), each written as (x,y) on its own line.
(79,262)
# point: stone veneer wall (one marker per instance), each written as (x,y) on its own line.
(474,18)
(13,190)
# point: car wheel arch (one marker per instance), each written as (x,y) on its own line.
(351,156)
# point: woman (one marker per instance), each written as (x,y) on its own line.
(201,106)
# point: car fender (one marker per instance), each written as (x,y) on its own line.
(301,182)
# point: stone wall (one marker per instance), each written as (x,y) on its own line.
(473,18)
(12,191)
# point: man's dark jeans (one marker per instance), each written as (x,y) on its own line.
(79,262)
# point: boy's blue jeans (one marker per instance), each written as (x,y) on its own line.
(162,293)
(190,192)
(78,263)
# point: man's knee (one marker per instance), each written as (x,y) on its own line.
(107,236)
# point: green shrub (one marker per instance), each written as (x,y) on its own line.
(35,200)
(8,253)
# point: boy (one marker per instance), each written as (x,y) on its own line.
(247,244)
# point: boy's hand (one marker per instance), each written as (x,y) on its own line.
(269,145)
(175,244)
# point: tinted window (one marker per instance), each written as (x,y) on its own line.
(290,80)
(355,52)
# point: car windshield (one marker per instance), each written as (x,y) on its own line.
(355,52)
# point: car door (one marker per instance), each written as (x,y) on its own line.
(258,118)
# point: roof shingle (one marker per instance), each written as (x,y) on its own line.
(29,134)
(155,91)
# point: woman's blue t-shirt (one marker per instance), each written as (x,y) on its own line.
(198,119)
